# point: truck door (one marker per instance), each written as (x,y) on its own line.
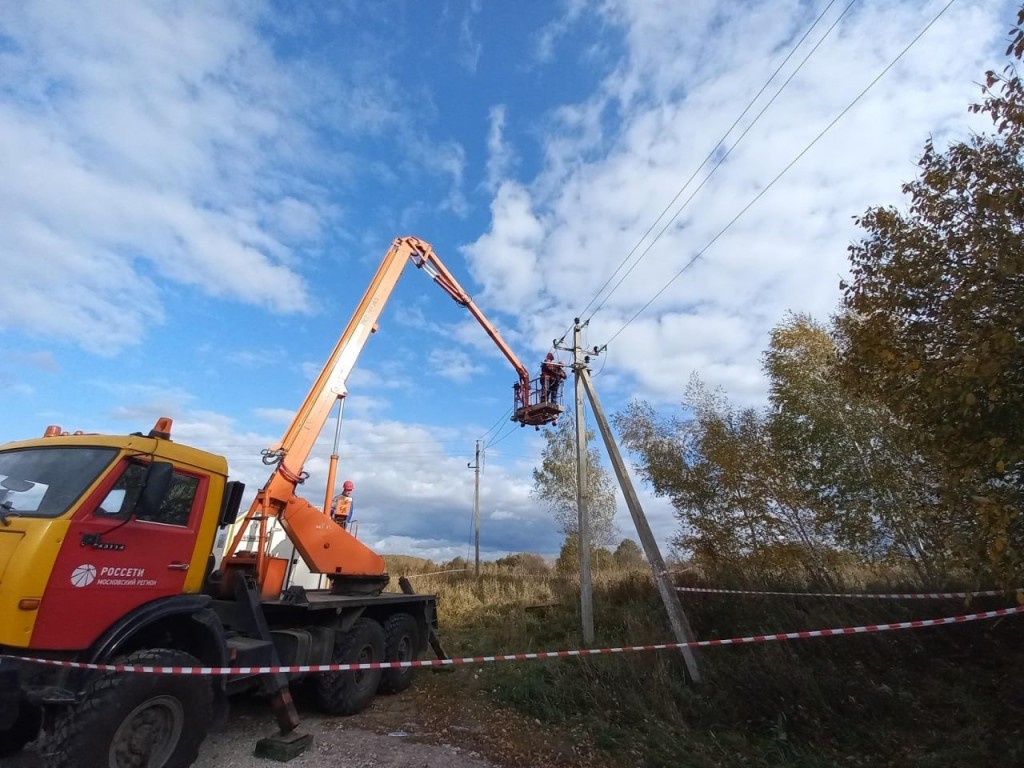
(112,561)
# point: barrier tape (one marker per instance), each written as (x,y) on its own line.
(875,595)
(524,656)
(435,573)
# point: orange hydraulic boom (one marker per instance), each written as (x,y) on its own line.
(351,566)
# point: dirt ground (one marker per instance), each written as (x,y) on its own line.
(438,723)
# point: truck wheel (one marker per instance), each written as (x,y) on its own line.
(24,729)
(132,720)
(401,643)
(346,693)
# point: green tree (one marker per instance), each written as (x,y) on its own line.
(734,500)
(569,557)
(935,323)
(554,484)
(819,473)
(855,468)
(628,555)
(523,561)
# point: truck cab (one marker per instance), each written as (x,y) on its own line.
(93,527)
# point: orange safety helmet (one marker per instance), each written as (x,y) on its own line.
(347,486)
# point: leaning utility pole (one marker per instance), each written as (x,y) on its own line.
(476,507)
(586,588)
(669,596)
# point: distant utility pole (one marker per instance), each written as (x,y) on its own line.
(476,507)
(669,596)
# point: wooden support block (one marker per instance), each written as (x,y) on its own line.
(283,747)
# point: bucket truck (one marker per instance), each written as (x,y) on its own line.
(106,557)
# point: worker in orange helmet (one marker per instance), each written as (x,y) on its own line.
(551,377)
(342,507)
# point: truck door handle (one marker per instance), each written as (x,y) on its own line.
(178,566)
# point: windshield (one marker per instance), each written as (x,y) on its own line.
(45,482)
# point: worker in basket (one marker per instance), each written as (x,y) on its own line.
(551,377)
(342,507)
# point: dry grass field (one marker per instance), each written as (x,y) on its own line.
(944,696)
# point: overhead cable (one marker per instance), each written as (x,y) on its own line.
(781,173)
(497,439)
(508,413)
(728,152)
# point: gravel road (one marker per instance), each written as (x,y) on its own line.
(351,742)
(445,720)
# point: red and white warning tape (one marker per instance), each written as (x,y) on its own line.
(527,656)
(872,595)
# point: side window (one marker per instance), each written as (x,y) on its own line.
(177,505)
(120,500)
(175,509)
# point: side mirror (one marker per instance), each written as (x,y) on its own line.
(155,484)
(16,485)
(233,491)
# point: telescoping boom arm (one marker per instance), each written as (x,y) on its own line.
(320,546)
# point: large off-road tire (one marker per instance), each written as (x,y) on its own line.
(346,693)
(401,643)
(133,720)
(24,729)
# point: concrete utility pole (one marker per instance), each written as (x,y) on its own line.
(586,586)
(476,507)
(669,596)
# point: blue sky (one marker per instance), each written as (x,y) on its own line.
(195,196)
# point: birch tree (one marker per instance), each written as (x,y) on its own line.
(554,484)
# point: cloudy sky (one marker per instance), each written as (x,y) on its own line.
(194,196)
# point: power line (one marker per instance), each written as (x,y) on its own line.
(604,362)
(360,454)
(500,419)
(256,445)
(706,159)
(497,440)
(781,173)
(728,152)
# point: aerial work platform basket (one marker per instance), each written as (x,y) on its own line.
(539,406)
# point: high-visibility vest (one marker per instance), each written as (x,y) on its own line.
(342,507)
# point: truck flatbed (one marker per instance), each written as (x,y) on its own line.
(323,599)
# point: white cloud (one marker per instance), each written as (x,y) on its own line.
(453,364)
(500,155)
(613,161)
(256,358)
(14,388)
(469,47)
(391,376)
(295,218)
(42,360)
(137,147)
(444,158)
(505,260)
(146,143)
(143,403)
(275,415)
(546,40)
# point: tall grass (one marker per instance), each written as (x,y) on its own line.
(945,696)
